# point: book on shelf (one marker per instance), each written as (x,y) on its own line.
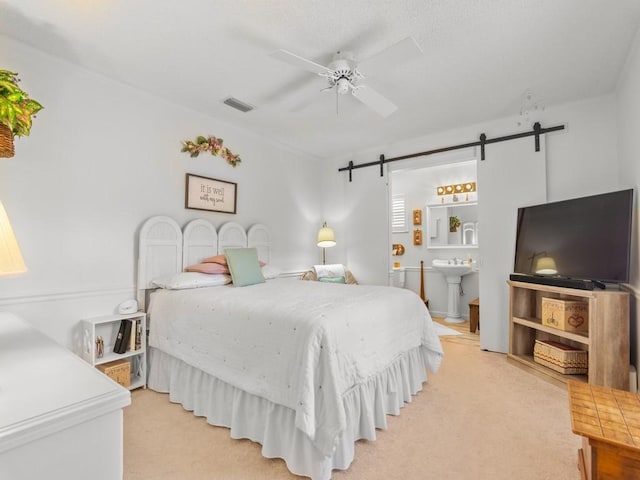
(138,334)
(122,340)
(118,343)
(132,336)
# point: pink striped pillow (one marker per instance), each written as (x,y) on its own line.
(221,259)
(211,268)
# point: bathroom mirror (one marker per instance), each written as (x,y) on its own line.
(452,225)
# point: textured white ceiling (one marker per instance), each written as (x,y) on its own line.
(479,57)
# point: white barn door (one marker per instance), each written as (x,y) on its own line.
(512,175)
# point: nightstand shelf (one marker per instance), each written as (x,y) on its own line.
(107,327)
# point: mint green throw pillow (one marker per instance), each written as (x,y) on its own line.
(243,266)
(332,279)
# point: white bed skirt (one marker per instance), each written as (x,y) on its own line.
(273,425)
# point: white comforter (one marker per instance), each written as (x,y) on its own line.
(298,344)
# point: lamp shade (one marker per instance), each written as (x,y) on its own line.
(11,261)
(326,237)
(546,266)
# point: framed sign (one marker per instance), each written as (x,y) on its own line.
(202,193)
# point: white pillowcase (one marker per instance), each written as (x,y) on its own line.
(270,272)
(333,270)
(191,280)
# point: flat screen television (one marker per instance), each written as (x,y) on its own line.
(580,243)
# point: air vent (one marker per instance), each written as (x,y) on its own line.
(238,105)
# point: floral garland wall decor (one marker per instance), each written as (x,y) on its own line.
(212,145)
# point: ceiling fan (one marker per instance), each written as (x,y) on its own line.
(344,75)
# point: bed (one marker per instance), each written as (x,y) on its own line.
(303,368)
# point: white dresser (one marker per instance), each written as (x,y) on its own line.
(59,417)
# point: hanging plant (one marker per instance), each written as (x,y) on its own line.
(16,112)
(212,145)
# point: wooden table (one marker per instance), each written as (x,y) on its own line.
(609,422)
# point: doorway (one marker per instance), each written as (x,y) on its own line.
(419,227)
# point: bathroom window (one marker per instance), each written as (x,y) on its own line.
(398,214)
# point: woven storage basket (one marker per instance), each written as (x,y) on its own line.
(118,370)
(560,357)
(6,142)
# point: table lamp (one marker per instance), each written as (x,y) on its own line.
(546,266)
(11,261)
(326,239)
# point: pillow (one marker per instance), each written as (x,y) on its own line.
(334,270)
(350,279)
(269,272)
(221,259)
(311,275)
(332,279)
(244,266)
(210,268)
(191,280)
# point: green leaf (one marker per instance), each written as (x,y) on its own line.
(16,108)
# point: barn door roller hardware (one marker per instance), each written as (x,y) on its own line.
(536,132)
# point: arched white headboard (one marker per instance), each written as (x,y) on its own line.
(200,241)
(159,250)
(231,235)
(258,237)
(163,248)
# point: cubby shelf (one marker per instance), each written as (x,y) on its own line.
(107,327)
(607,341)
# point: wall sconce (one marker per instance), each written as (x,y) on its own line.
(417,217)
(466,187)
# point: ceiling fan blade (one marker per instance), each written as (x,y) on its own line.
(374,100)
(401,52)
(300,62)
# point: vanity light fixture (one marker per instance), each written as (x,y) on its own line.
(465,187)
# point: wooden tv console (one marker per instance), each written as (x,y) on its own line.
(607,341)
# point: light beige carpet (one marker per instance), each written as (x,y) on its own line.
(479,417)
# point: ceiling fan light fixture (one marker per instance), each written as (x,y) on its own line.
(342,85)
(343,73)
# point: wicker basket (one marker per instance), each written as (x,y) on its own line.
(118,371)
(6,142)
(560,357)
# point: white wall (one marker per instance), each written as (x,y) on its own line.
(581,160)
(629,124)
(103,157)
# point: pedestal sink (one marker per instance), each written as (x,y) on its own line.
(453,270)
